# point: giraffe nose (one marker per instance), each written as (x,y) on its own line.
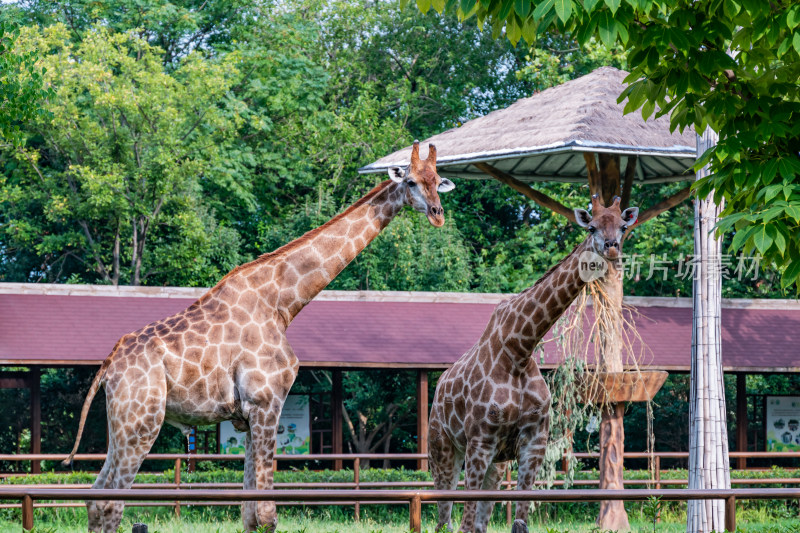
(611,244)
(436,210)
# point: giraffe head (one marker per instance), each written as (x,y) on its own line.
(607,226)
(422,184)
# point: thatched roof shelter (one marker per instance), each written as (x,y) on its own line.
(544,137)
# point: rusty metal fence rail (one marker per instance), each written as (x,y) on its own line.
(414,499)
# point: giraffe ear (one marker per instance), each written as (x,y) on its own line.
(396,174)
(446,185)
(582,217)
(630,215)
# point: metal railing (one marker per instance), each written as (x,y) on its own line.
(654,461)
(414,499)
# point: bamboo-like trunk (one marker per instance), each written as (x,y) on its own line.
(709,466)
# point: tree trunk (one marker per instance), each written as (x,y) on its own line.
(612,514)
(709,467)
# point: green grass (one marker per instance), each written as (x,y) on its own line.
(227,520)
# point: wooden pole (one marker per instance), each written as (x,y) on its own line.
(422,418)
(356,481)
(741,418)
(730,514)
(336,416)
(709,466)
(177,485)
(36,416)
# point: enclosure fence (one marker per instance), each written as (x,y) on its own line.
(414,499)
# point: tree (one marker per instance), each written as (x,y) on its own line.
(21,85)
(720,63)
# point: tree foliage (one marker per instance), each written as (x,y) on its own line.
(729,65)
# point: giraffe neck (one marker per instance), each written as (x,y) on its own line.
(307,265)
(531,314)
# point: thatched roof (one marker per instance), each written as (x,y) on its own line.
(542,137)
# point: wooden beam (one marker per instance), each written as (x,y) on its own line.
(592,173)
(35,378)
(741,419)
(664,205)
(609,177)
(630,172)
(422,418)
(538,197)
(336,416)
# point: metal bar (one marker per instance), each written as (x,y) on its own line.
(415,513)
(352,456)
(730,514)
(177,486)
(27,512)
(549,495)
(356,478)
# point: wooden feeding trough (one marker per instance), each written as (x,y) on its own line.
(575,133)
(619,387)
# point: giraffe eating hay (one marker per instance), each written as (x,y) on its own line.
(492,405)
(226,357)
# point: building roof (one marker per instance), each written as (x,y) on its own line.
(79,324)
(543,137)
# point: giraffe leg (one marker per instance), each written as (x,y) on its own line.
(94,508)
(494,476)
(135,414)
(445,463)
(531,455)
(479,458)
(259,466)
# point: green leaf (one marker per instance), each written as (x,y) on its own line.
(762,239)
(467,6)
(613,5)
(607,27)
(793,17)
(741,236)
(505,10)
(522,7)
(796,41)
(589,5)
(563,9)
(438,5)
(794,212)
(423,5)
(791,272)
(543,9)
(780,240)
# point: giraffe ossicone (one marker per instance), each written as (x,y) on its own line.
(493,405)
(226,356)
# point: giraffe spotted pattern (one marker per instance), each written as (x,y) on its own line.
(226,357)
(492,406)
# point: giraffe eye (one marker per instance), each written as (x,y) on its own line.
(412,183)
(624,227)
(592,229)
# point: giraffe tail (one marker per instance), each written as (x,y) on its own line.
(85,411)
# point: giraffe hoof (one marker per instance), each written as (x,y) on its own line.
(519,527)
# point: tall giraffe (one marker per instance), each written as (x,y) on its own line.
(492,405)
(226,357)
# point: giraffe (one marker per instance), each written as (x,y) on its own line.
(226,356)
(492,405)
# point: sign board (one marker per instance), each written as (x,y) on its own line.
(783,423)
(294,430)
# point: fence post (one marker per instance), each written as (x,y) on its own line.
(178,485)
(139,528)
(27,513)
(508,487)
(730,514)
(658,472)
(356,480)
(415,512)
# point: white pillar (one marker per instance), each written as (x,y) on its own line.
(709,467)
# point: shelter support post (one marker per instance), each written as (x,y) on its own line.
(422,418)
(336,416)
(35,382)
(27,513)
(741,419)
